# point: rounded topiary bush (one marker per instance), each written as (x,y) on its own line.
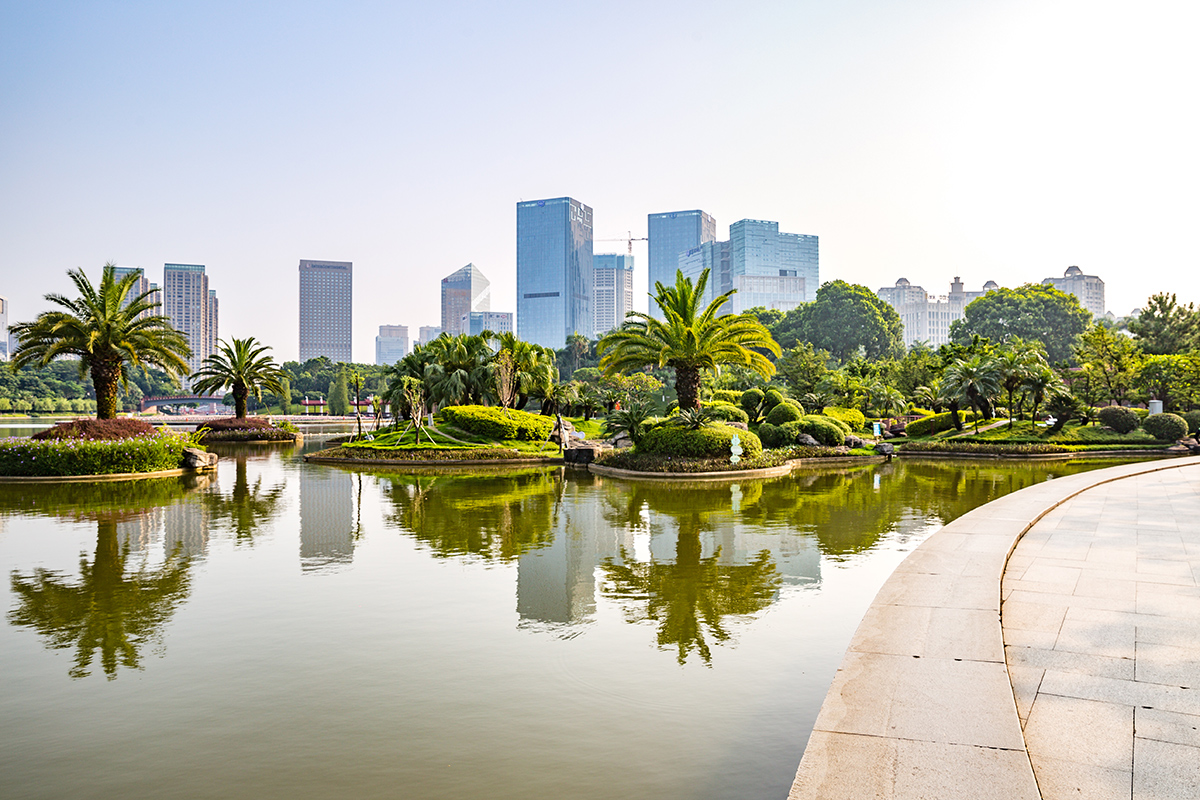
(727,412)
(751,401)
(493,422)
(773,435)
(854,419)
(845,427)
(727,396)
(1166,427)
(772,398)
(711,441)
(786,411)
(927,426)
(1119,418)
(823,429)
(1192,418)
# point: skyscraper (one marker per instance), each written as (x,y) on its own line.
(477,322)
(4,328)
(214,317)
(612,291)
(554,270)
(326,310)
(463,291)
(391,344)
(185,303)
(671,234)
(428,333)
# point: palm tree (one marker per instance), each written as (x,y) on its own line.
(1015,364)
(107,334)
(458,374)
(1040,383)
(688,339)
(976,380)
(533,367)
(244,367)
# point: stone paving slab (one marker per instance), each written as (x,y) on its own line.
(928,703)
(1101,621)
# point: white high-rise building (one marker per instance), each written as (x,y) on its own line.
(1088,289)
(927,317)
(185,302)
(612,290)
(391,344)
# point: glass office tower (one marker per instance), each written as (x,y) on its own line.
(326,309)
(463,292)
(672,234)
(554,270)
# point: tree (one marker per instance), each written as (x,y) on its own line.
(1042,383)
(1113,358)
(688,339)
(1165,327)
(975,381)
(339,395)
(847,319)
(244,366)
(1015,364)
(803,367)
(1033,312)
(1174,379)
(107,334)
(458,373)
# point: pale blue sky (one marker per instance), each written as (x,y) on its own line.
(930,139)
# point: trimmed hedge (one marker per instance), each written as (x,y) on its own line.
(711,441)
(1192,418)
(854,419)
(826,431)
(158,450)
(927,426)
(1119,418)
(772,398)
(105,429)
(727,412)
(786,411)
(494,423)
(751,401)
(1166,427)
(727,396)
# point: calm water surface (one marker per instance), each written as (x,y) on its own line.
(289,630)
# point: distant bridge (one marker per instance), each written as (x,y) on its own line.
(178,399)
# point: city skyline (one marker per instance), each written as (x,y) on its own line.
(924,139)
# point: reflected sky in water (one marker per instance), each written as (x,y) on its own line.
(286,630)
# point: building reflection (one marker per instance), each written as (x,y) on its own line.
(327,503)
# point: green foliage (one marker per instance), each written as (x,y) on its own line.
(244,366)
(1111,361)
(727,412)
(339,395)
(727,396)
(713,441)
(1033,312)
(928,426)
(693,418)
(632,419)
(786,411)
(772,398)
(803,367)
(1165,427)
(844,319)
(825,430)
(494,423)
(1193,422)
(852,417)
(147,453)
(1174,379)
(751,402)
(1119,418)
(1166,327)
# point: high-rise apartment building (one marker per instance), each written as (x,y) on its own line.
(612,291)
(477,322)
(554,270)
(672,234)
(428,333)
(140,287)
(464,291)
(4,338)
(214,317)
(326,310)
(927,318)
(391,344)
(1088,289)
(185,297)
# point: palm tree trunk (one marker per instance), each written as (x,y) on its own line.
(687,387)
(240,393)
(105,378)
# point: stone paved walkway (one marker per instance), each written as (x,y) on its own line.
(1101,625)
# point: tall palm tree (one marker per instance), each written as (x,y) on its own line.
(1015,364)
(975,380)
(534,368)
(1040,384)
(689,339)
(458,373)
(244,367)
(107,334)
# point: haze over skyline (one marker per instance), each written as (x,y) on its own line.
(918,139)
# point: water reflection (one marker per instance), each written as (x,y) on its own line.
(117,605)
(248,505)
(327,518)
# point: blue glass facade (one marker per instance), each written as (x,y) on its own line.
(772,269)
(554,270)
(671,234)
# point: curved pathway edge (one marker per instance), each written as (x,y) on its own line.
(922,704)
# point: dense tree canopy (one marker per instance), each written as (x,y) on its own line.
(844,319)
(1033,312)
(1166,327)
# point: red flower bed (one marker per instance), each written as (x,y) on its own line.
(235,424)
(108,429)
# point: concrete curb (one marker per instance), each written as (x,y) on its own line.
(118,476)
(735,474)
(922,704)
(479,462)
(1044,456)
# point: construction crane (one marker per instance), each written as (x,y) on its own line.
(630,239)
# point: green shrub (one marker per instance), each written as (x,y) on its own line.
(1192,418)
(751,402)
(148,453)
(727,396)
(727,412)
(1119,418)
(709,442)
(773,436)
(785,411)
(825,430)
(772,398)
(854,419)
(928,426)
(844,427)
(922,412)
(1142,413)
(492,422)
(1166,427)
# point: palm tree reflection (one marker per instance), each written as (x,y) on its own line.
(248,505)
